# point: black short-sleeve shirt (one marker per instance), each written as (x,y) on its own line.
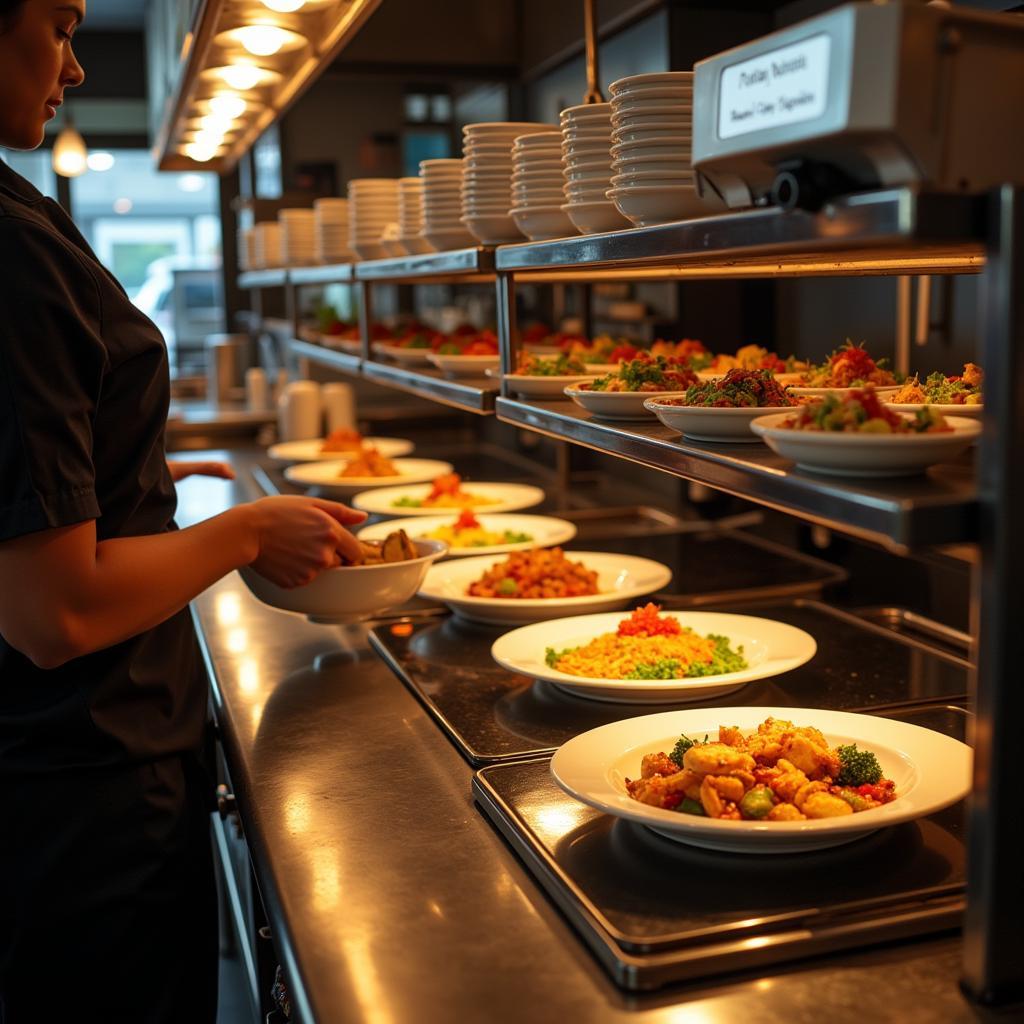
(83,406)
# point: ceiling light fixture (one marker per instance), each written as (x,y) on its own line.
(200,152)
(228,105)
(70,158)
(242,75)
(283,6)
(100,161)
(262,39)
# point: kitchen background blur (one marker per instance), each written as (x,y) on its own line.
(400,92)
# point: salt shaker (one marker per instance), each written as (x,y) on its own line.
(298,411)
(339,405)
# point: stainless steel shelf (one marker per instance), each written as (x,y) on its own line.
(883,232)
(324,356)
(470,395)
(331,273)
(903,513)
(275,278)
(437,265)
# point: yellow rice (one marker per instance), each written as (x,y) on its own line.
(611,656)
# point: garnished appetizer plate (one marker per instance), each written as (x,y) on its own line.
(619,579)
(840,453)
(517,532)
(749,648)
(402,501)
(327,475)
(310,451)
(929,771)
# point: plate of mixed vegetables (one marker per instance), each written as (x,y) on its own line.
(764,780)
(471,533)
(448,492)
(621,395)
(723,408)
(847,367)
(959,395)
(652,657)
(855,434)
(545,376)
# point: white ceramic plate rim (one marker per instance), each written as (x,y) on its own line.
(547,531)
(518,496)
(768,426)
(582,767)
(947,409)
(309,451)
(316,474)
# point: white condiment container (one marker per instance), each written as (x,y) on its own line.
(298,411)
(339,405)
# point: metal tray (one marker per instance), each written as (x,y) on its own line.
(654,911)
(492,715)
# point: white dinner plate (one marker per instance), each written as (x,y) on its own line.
(770,648)
(539,386)
(708,423)
(616,405)
(309,451)
(931,771)
(621,579)
(802,392)
(838,453)
(974,411)
(502,498)
(325,475)
(544,531)
(464,366)
(400,354)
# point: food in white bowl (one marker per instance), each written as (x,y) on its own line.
(927,771)
(353,592)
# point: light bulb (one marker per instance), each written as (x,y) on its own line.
(283,6)
(262,40)
(100,161)
(216,123)
(69,153)
(241,76)
(228,106)
(200,152)
(209,137)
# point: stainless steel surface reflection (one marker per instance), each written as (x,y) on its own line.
(391,899)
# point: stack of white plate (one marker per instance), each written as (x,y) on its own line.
(537,195)
(586,142)
(487,179)
(410,216)
(267,245)
(298,236)
(652,118)
(442,205)
(373,205)
(246,248)
(332,230)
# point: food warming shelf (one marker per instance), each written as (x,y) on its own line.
(933,508)
(320,354)
(331,273)
(884,232)
(492,715)
(469,394)
(655,911)
(452,263)
(275,278)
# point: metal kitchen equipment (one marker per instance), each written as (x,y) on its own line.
(868,95)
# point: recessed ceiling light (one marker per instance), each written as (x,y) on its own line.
(262,39)
(242,75)
(100,161)
(200,152)
(228,105)
(283,6)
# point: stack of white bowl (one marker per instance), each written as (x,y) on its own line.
(373,205)
(410,216)
(267,245)
(332,230)
(298,236)
(442,205)
(487,179)
(652,117)
(246,248)
(537,195)
(586,142)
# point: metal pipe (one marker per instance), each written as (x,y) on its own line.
(593,93)
(903,302)
(993,971)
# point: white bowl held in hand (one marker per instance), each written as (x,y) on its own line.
(931,772)
(621,579)
(350,593)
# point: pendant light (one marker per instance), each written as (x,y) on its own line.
(69,152)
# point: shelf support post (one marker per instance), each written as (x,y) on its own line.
(993,968)
(508,334)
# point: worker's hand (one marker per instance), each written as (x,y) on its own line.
(180,470)
(299,537)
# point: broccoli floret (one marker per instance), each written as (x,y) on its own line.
(858,767)
(683,744)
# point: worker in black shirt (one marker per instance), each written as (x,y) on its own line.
(107,908)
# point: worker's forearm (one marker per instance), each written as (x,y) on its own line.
(138,582)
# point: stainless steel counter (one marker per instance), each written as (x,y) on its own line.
(392,899)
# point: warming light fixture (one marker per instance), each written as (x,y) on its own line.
(201,152)
(243,75)
(228,105)
(262,39)
(283,6)
(215,123)
(70,158)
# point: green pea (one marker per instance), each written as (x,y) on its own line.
(756,803)
(689,806)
